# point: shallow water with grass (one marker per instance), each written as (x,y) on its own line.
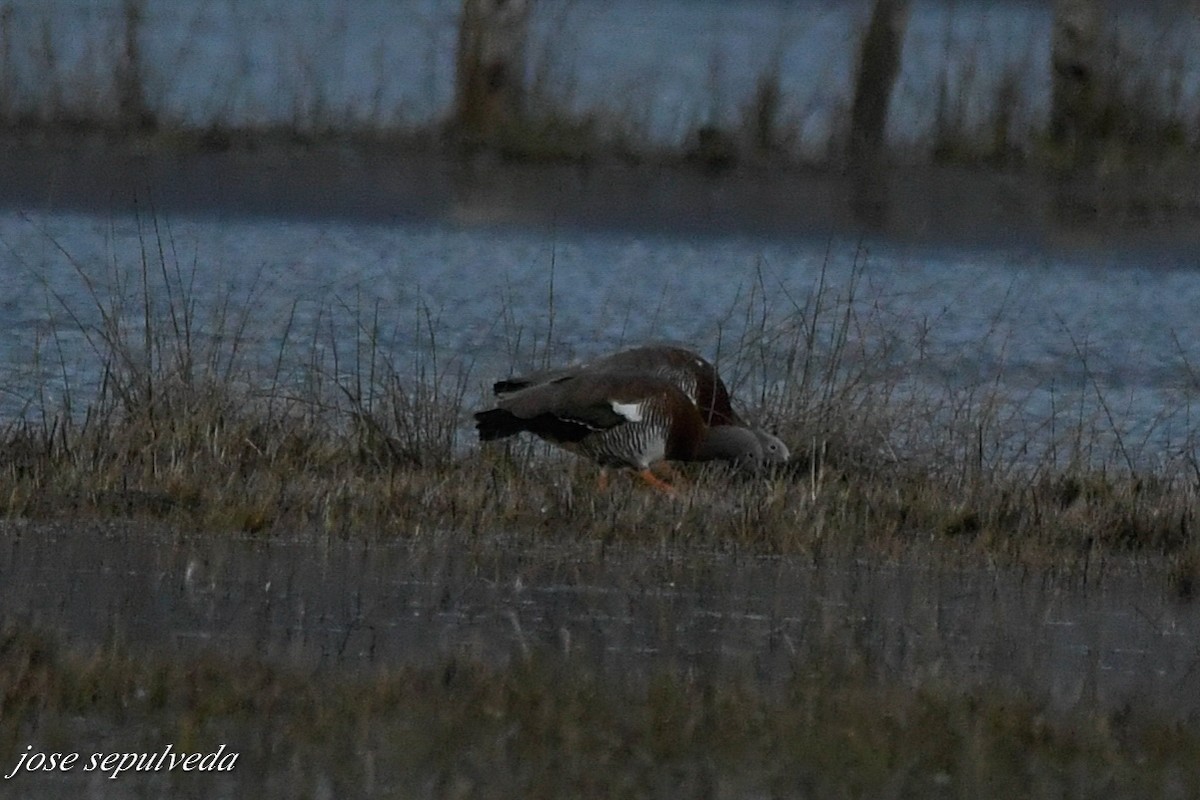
(396,668)
(1102,637)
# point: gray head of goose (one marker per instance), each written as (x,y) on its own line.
(733,443)
(773,449)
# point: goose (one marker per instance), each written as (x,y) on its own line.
(690,372)
(618,418)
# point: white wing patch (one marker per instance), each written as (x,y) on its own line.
(630,411)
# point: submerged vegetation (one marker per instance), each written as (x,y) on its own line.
(545,725)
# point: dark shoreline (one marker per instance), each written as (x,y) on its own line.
(968,205)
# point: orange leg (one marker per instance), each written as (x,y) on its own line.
(602,480)
(656,482)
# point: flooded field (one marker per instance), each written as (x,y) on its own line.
(1109,638)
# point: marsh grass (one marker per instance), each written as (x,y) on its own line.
(544,724)
(190,417)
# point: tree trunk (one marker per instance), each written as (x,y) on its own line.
(490,68)
(878,67)
(132,109)
(1076,39)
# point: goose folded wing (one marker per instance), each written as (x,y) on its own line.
(562,417)
(517,383)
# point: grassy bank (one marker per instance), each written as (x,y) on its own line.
(178,413)
(544,725)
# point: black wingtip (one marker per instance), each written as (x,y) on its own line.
(509,386)
(496,423)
